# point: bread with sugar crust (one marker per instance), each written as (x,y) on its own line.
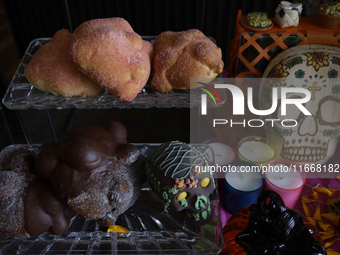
(179,56)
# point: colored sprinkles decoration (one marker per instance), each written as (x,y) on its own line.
(191,182)
(179,184)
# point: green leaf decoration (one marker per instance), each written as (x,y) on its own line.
(282,132)
(267,95)
(184,202)
(292,62)
(336,60)
(172,190)
(331,132)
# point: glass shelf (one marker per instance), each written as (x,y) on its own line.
(154,230)
(21,95)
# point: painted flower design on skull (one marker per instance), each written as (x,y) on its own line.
(317,60)
(333,74)
(277,77)
(336,89)
(299,74)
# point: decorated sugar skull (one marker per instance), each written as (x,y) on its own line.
(178,174)
(309,138)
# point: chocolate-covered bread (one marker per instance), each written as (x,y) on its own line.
(44,212)
(28,206)
(110,194)
(91,169)
(178,174)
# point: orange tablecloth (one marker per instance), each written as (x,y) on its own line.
(308,31)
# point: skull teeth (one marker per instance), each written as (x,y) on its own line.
(304,154)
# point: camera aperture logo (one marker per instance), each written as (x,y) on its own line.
(239,105)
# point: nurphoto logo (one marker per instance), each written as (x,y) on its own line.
(239,104)
(204,97)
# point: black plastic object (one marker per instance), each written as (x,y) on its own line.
(274,229)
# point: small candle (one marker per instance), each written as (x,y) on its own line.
(283,178)
(223,154)
(242,186)
(256,151)
(248,181)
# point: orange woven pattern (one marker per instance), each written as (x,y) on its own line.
(308,32)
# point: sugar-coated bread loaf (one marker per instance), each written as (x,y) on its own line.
(113,55)
(179,56)
(52,69)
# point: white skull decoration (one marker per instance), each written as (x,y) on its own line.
(317,69)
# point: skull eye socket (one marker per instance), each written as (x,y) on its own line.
(292,113)
(181,196)
(328,111)
(205,182)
